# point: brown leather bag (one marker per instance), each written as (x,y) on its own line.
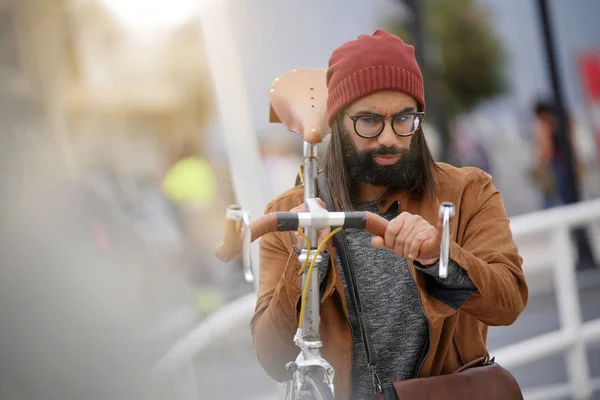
(479,379)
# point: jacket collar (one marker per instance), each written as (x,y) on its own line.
(405,201)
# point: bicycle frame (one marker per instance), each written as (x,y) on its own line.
(308,338)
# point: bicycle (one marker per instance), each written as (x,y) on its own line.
(298,100)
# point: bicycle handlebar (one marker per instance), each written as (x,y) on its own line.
(287,221)
(235,241)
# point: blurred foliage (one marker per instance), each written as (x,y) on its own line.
(470,55)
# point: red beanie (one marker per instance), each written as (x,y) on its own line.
(370,64)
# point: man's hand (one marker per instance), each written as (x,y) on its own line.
(412,237)
(299,241)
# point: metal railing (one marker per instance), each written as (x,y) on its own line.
(574,335)
(571,339)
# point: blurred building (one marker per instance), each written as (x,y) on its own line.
(94,114)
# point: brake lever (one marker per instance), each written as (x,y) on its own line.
(447,211)
(247,251)
(243,217)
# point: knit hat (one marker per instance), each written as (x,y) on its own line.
(370,64)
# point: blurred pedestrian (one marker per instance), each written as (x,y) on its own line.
(550,169)
(190,185)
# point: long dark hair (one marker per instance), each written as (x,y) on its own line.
(342,187)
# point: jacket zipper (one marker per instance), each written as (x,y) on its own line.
(351,358)
(428,342)
(351,349)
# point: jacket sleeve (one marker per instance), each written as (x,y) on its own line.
(275,320)
(490,256)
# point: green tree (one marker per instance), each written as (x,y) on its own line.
(470,54)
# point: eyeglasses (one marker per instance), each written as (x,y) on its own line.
(369,126)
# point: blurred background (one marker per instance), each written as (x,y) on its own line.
(128,126)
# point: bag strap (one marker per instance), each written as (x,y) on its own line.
(341,245)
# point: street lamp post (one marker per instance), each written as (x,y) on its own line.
(423,53)
(585,253)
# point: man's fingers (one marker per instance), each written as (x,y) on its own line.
(402,238)
(439,227)
(378,242)
(298,240)
(393,229)
(323,233)
(432,244)
(299,208)
(415,246)
(409,240)
(302,208)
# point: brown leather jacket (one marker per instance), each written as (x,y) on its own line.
(458,320)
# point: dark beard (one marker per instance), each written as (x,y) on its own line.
(406,174)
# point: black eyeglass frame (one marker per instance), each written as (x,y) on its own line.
(355,119)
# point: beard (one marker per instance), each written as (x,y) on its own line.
(407,173)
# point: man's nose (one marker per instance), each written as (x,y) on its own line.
(388,137)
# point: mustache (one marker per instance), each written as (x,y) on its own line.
(386,151)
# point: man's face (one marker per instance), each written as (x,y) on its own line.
(388,159)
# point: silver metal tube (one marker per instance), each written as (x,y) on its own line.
(446,212)
(247,249)
(336,219)
(310,323)
(305,220)
(310,171)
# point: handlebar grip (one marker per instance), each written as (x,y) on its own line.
(265,224)
(375,224)
(232,242)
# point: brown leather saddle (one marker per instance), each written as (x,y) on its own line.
(298,99)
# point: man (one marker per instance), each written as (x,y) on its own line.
(550,169)
(378,160)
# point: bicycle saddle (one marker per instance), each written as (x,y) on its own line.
(298,99)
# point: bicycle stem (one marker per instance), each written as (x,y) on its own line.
(311,320)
